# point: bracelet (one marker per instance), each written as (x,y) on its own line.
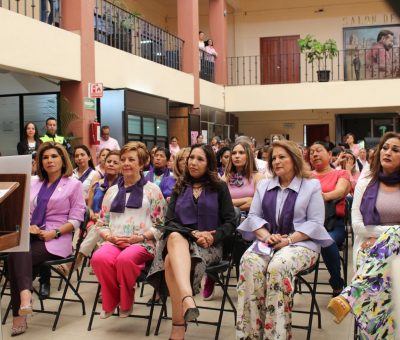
(290,240)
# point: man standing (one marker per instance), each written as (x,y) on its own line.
(379,58)
(106,141)
(51,135)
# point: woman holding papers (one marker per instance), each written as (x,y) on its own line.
(286,223)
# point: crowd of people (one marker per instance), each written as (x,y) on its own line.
(169,210)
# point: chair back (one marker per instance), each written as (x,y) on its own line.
(82,229)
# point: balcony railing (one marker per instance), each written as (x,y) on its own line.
(354,64)
(48,11)
(118,28)
(207,66)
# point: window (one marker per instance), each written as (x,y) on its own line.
(151,131)
(134,125)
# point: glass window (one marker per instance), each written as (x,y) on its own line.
(162,128)
(134,126)
(148,126)
(9,125)
(37,108)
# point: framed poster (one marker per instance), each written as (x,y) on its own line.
(371,52)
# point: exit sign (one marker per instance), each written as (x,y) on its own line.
(95,90)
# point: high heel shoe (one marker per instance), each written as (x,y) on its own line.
(19,329)
(179,325)
(190,314)
(339,307)
(25,310)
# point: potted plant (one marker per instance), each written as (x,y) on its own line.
(316,50)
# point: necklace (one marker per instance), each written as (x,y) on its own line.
(197,192)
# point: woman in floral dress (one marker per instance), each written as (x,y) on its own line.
(132,210)
(286,223)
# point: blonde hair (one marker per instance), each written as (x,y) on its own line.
(300,169)
(141,150)
(178,157)
(66,169)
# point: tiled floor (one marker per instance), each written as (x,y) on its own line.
(73,325)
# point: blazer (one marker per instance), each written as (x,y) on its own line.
(66,203)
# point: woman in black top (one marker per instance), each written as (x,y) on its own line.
(30,141)
(200,216)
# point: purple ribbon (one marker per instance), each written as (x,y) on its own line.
(284,225)
(204,214)
(85,175)
(135,199)
(39,214)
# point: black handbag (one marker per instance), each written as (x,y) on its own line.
(330,214)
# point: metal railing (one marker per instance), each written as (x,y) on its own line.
(126,31)
(351,64)
(48,11)
(207,66)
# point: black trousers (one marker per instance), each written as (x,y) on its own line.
(24,267)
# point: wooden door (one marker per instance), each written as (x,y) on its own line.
(280,60)
(316,132)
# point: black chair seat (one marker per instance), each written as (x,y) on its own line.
(58,261)
(218,268)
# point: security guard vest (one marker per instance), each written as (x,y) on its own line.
(57,139)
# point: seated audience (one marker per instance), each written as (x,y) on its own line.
(160,174)
(223,155)
(286,224)
(335,186)
(100,167)
(200,217)
(132,211)
(57,208)
(84,171)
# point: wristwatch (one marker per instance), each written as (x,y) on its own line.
(290,240)
(58,233)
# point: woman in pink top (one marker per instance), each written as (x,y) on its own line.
(57,208)
(174,146)
(350,141)
(335,185)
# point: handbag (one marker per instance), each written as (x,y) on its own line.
(330,214)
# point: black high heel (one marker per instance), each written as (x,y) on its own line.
(179,325)
(191,313)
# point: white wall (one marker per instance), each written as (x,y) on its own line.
(38,48)
(13,83)
(305,96)
(118,69)
(212,94)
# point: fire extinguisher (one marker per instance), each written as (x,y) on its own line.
(94,133)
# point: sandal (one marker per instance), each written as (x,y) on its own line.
(190,314)
(63,269)
(179,325)
(339,307)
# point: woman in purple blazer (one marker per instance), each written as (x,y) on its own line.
(57,207)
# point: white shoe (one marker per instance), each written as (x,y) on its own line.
(105,315)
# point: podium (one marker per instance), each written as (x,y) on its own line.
(12,191)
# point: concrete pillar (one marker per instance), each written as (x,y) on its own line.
(218,23)
(78,18)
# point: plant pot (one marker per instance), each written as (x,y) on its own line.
(323,76)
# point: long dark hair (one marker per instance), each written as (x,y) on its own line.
(86,149)
(249,168)
(210,179)
(36,136)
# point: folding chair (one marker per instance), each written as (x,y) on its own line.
(52,264)
(312,290)
(217,273)
(141,279)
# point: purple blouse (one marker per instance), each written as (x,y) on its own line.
(66,203)
(309,212)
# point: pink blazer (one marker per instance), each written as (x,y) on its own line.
(66,203)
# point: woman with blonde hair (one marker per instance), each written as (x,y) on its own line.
(286,225)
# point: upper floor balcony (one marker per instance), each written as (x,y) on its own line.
(348,65)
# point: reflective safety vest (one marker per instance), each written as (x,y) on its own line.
(57,139)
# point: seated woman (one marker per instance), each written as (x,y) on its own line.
(286,224)
(101,166)
(200,216)
(84,171)
(241,176)
(132,209)
(335,186)
(223,155)
(57,207)
(159,174)
(347,161)
(376,218)
(95,200)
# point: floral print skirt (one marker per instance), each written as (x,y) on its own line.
(369,293)
(265,292)
(201,258)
